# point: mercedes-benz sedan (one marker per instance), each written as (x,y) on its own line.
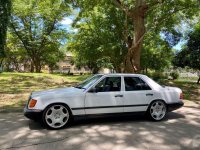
(103,94)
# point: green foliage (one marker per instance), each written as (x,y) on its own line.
(99,42)
(174,75)
(156,53)
(105,30)
(53,55)
(36,24)
(5,7)
(157,75)
(15,53)
(190,54)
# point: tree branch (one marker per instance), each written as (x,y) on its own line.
(138,42)
(123,7)
(159,21)
(19,36)
(48,32)
(156,2)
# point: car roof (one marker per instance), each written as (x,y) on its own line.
(122,74)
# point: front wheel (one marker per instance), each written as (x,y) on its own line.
(157,110)
(56,116)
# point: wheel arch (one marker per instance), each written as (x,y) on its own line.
(157,100)
(60,103)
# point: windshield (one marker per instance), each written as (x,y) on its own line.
(88,82)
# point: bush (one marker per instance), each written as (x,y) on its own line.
(158,76)
(174,75)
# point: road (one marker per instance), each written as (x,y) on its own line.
(180,130)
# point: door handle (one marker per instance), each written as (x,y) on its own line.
(149,94)
(118,95)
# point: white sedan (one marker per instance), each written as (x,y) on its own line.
(110,94)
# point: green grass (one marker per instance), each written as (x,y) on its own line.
(16,87)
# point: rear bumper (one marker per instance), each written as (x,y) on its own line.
(33,114)
(174,106)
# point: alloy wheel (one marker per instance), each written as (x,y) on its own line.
(56,116)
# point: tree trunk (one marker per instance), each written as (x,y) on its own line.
(37,63)
(132,59)
(128,64)
(1,64)
(32,67)
(37,67)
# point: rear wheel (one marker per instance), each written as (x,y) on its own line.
(157,110)
(56,116)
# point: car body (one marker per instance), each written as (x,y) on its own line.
(104,94)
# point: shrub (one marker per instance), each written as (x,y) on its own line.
(158,76)
(174,75)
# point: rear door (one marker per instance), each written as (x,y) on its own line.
(137,94)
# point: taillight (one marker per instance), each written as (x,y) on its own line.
(32,103)
(181,95)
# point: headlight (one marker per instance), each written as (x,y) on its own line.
(32,103)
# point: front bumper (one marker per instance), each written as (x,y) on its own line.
(33,114)
(174,106)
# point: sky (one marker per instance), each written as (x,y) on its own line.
(67,22)
(179,45)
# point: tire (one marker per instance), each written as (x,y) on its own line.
(157,110)
(56,116)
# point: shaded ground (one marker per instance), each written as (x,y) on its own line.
(180,130)
(16,87)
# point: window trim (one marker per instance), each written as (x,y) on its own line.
(102,78)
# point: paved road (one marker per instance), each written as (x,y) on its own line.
(180,130)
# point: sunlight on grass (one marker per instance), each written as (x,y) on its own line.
(16,87)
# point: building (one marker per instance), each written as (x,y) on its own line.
(66,66)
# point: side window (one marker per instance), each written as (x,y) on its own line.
(135,84)
(109,84)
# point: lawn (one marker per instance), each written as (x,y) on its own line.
(16,87)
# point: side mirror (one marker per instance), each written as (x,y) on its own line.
(93,90)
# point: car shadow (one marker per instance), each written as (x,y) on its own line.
(37,125)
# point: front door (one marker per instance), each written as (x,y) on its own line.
(108,97)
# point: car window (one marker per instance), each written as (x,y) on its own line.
(88,82)
(135,84)
(109,84)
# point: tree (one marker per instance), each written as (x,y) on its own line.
(141,17)
(5,8)
(36,24)
(53,55)
(98,42)
(190,54)
(16,55)
(156,53)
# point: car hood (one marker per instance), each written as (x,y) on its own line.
(58,91)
